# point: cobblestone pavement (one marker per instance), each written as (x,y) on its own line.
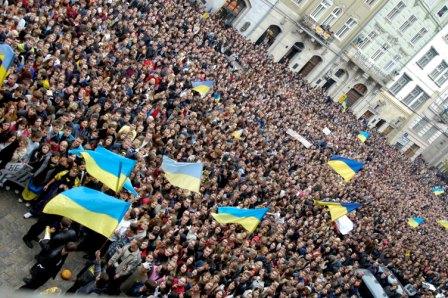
(15,257)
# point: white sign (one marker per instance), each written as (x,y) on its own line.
(326,131)
(299,138)
(344,225)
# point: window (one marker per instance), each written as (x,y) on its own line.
(391,63)
(320,9)
(339,73)
(430,133)
(419,35)
(412,19)
(380,52)
(245,27)
(402,81)
(442,79)
(421,126)
(416,98)
(334,15)
(372,35)
(434,136)
(370,2)
(442,11)
(395,11)
(346,28)
(440,74)
(425,59)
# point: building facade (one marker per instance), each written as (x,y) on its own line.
(357,50)
(422,85)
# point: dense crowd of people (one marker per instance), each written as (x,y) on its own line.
(118,74)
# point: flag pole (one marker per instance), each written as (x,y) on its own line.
(119,175)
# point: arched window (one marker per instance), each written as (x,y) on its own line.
(245,26)
(334,15)
(320,9)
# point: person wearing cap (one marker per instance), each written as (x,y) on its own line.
(138,277)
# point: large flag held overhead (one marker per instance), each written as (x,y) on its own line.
(363,135)
(6,59)
(202,87)
(345,167)
(415,221)
(91,208)
(337,210)
(438,190)
(109,168)
(443,223)
(248,218)
(185,175)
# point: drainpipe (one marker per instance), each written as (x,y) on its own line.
(263,18)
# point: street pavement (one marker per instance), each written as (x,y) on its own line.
(16,258)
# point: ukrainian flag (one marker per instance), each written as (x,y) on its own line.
(443,223)
(76,151)
(109,168)
(185,175)
(415,221)
(89,207)
(337,210)
(438,190)
(202,87)
(248,218)
(130,188)
(345,167)
(7,58)
(363,135)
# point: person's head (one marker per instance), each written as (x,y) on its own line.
(74,171)
(45,148)
(66,223)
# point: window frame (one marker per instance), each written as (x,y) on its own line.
(395,11)
(422,32)
(332,17)
(320,9)
(345,28)
(423,61)
(399,82)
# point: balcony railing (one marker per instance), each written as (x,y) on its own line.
(367,66)
(322,32)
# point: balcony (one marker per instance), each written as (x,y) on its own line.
(322,32)
(367,66)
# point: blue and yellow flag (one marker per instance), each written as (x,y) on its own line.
(345,167)
(363,135)
(438,190)
(6,59)
(248,218)
(107,167)
(202,87)
(76,151)
(89,207)
(415,221)
(443,223)
(186,175)
(130,188)
(337,210)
